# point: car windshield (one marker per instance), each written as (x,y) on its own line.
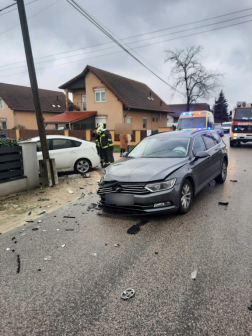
(227,124)
(161,148)
(198,122)
(243,114)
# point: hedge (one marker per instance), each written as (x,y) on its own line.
(6,142)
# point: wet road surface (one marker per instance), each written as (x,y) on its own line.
(78,292)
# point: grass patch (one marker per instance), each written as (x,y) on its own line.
(117,149)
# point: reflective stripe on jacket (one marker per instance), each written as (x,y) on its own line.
(106,139)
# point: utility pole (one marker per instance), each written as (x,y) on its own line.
(47,166)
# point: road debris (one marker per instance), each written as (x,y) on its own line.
(223,203)
(29,221)
(48,258)
(63,245)
(233,180)
(194,274)
(35,229)
(13,238)
(57,229)
(127,293)
(8,249)
(19,264)
(23,234)
(44,230)
(94,254)
(43,199)
(68,217)
(42,212)
(156,252)
(86,175)
(39,269)
(116,245)
(29,213)
(39,221)
(70,191)
(250,308)
(82,196)
(69,229)
(48,206)
(81,188)
(136,228)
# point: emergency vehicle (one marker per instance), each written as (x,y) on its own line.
(241,130)
(195,120)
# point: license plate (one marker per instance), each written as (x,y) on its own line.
(119,199)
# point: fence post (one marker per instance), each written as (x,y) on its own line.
(17,134)
(113,136)
(138,136)
(88,135)
(66,132)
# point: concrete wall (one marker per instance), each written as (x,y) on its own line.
(13,187)
(30,163)
(7,113)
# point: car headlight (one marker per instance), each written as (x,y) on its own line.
(160,186)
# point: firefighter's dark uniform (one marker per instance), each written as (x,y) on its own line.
(107,147)
(99,149)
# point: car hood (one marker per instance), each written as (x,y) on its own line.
(143,169)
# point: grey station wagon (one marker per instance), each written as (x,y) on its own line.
(164,172)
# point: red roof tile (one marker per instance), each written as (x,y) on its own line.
(69,117)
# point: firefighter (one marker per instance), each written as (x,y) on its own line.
(106,146)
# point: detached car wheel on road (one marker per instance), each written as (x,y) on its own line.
(70,153)
(164,172)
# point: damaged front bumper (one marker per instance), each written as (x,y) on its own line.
(143,200)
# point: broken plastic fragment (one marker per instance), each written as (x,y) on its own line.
(8,249)
(70,191)
(63,245)
(194,274)
(48,206)
(40,221)
(44,230)
(19,263)
(94,254)
(233,180)
(116,245)
(57,229)
(23,234)
(127,293)
(68,217)
(223,203)
(29,221)
(69,229)
(35,229)
(43,199)
(48,258)
(42,212)
(29,213)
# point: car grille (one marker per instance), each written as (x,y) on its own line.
(126,188)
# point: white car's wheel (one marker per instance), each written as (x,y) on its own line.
(82,166)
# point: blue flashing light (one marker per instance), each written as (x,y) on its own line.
(183,113)
(199,129)
(189,130)
(236,129)
(208,128)
(250,118)
(238,105)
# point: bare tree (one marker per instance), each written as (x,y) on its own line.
(189,74)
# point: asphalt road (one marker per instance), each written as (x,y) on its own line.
(78,293)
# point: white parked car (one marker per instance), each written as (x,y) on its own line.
(70,153)
(226,126)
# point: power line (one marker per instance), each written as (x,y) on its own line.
(134,42)
(146,45)
(7,7)
(16,8)
(31,16)
(85,14)
(97,45)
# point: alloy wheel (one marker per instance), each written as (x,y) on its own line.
(82,166)
(224,170)
(186,196)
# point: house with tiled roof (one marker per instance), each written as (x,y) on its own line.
(17,107)
(113,99)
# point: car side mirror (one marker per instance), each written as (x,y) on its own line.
(125,154)
(201,155)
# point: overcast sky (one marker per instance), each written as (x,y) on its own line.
(60,28)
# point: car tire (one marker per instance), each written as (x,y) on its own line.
(223,175)
(82,166)
(232,143)
(185,197)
